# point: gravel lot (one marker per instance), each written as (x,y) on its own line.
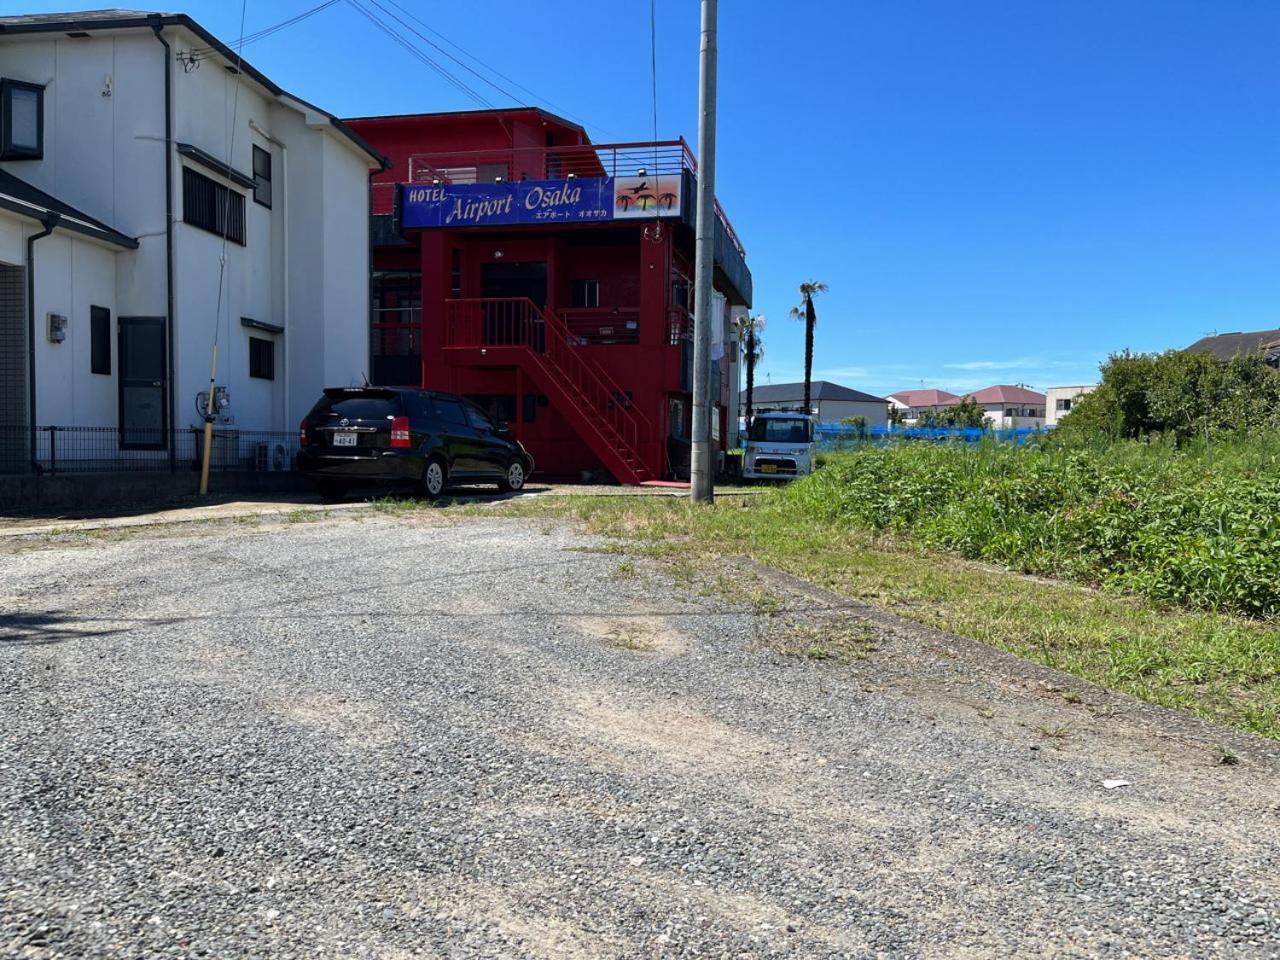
(374,736)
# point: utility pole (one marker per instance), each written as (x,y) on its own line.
(701,466)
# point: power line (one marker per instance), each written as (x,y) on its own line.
(436,46)
(422,57)
(498,73)
(265,32)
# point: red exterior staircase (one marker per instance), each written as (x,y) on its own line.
(515,331)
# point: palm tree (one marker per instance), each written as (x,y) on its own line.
(752,351)
(806,313)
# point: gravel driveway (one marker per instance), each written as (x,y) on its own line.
(431,736)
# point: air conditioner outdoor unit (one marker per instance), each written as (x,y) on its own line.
(270,457)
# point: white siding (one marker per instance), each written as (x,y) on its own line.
(1051,414)
(304,266)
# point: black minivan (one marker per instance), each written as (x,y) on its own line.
(390,435)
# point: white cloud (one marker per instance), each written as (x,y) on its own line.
(1022,363)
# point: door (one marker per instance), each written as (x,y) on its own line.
(460,438)
(492,449)
(505,281)
(143,384)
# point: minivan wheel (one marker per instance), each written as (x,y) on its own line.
(514,480)
(432,479)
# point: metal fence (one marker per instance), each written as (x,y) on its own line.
(81,450)
(839,436)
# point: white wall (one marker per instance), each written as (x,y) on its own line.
(1051,414)
(304,266)
(995,416)
(346,266)
(72,275)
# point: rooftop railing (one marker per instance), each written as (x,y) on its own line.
(591,160)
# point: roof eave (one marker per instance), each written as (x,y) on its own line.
(159,21)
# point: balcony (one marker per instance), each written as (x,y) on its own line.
(658,158)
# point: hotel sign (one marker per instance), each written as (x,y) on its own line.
(585,200)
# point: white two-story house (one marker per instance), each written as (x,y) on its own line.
(156,194)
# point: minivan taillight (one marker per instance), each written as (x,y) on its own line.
(302,434)
(400,432)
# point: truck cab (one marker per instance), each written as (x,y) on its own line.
(779,447)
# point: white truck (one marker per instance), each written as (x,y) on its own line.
(779,446)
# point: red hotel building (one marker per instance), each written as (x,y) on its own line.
(550,280)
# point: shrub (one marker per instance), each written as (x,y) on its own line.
(1188,524)
(1177,394)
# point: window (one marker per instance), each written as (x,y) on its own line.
(450,411)
(262,358)
(1063,404)
(261,176)
(586,293)
(781,430)
(210,206)
(21,120)
(100,340)
(480,420)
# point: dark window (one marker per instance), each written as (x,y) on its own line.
(455,273)
(450,411)
(419,406)
(211,206)
(371,406)
(530,407)
(261,176)
(1064,404)
(479,419)
(586,293)
(100,340)
(780,431)
(262,358)
(21,120)
(497,406)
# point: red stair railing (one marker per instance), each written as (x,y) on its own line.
(518,322)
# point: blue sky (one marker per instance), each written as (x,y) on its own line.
(997,191)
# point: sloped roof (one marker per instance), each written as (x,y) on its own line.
(818,390)
(116,18)
(1007,393)
(1226,346)
(925,398)
(22,198)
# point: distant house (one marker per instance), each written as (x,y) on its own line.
(915,403)
(1007,406)
(1060,400)
(1227,346)
(830,401)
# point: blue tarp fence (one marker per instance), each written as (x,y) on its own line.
(838,436)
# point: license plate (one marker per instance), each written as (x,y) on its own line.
(768,468)
(347,439)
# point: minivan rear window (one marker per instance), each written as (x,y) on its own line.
(357,408)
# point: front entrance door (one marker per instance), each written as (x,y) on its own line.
(143,413)
(504,279)
(506,322)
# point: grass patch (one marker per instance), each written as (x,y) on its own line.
(1218,666)
(629,637)
(848,638)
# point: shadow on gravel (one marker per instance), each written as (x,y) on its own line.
(39,629)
